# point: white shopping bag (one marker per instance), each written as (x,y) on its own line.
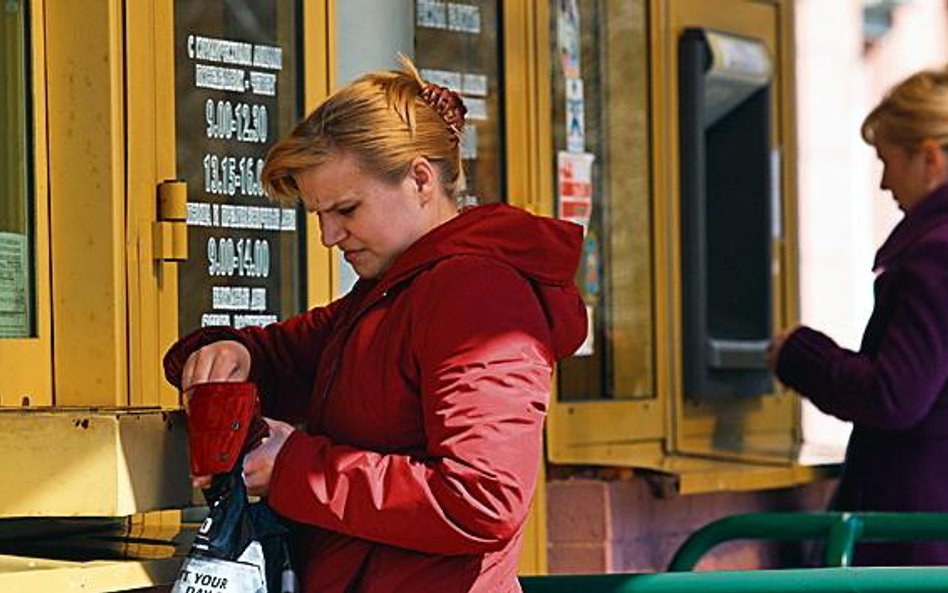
(214,575)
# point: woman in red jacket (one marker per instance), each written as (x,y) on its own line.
(421,393)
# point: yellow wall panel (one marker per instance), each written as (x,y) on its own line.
(87,200)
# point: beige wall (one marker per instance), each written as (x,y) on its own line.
(844,217)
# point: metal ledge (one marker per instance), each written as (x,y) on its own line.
(84,462)
(29,575)
(669,475)
(680,474)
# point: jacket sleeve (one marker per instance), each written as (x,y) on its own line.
(485,365)
(283,355)
(895,387)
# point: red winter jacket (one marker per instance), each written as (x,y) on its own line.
(423,395)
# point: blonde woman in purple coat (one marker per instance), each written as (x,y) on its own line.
(895,388)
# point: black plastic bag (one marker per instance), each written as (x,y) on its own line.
(241,547)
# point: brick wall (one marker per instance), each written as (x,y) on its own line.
(597,526)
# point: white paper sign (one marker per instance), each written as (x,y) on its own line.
(14,286)
(432,14)
(574,186)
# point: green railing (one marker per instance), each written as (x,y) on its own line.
(840,530)
(797,580)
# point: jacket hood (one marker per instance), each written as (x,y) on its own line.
(544,250)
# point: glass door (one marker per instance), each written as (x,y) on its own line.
(610,402)
(458,46)
(238,89)
(602,180)
(210,87)
(25,355)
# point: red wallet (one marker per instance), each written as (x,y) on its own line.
(224,422)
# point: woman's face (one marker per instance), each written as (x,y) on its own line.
(904,174)
(370,220)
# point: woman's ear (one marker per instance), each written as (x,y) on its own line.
(424,178)
(936,162)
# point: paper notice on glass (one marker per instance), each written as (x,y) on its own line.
(469,143)
(476,109)
(474,85)
(574,186)
(464,18)
(567,37)
(451,79)
(432,14)
(14,286)
(575,116)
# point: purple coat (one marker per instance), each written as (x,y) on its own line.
(895,389)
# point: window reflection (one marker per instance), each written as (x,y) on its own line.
(602,156)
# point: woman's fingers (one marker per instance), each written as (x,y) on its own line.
(776,345)
(258,464)
(197,368)
(187,373)
(207,359)
(278,428)
(226,360)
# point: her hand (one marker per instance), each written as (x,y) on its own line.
(776,345)
(258,464)
(227,360)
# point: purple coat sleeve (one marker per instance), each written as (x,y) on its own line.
(898,376)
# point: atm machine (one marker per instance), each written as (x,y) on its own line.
(729,202)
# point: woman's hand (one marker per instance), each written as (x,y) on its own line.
(773,351)
(258,464)
(227,360)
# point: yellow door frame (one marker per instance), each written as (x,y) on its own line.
(524,45)
(319,71)
(152,284)
(27,369)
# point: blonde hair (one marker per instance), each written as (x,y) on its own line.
(382,120)
(914,110)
